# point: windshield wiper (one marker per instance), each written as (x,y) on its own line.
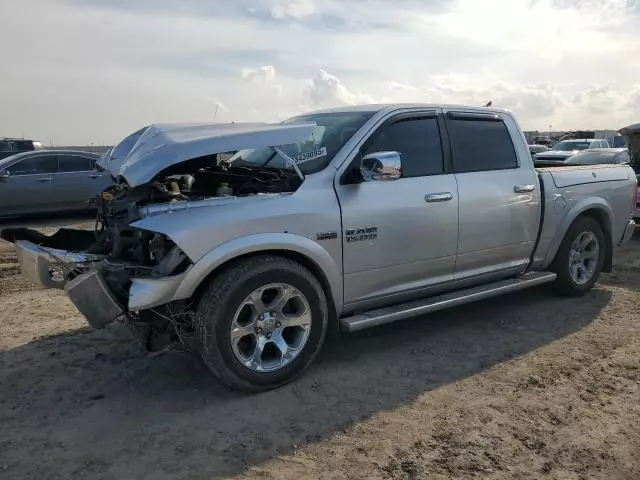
(288,159)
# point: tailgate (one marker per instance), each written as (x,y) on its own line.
(565,177)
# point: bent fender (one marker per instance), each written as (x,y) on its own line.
(261,243)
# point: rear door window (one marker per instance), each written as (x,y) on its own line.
(479,145)
(73,163)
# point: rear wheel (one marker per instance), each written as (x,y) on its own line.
(579,260)
(261,322)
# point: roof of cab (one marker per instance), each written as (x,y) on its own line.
(375,107)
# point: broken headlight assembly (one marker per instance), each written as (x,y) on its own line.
(167,258)
(145,253)
(138,253)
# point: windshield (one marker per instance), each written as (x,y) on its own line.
(332,131)
(567,146)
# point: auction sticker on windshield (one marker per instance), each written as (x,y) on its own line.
(311,155)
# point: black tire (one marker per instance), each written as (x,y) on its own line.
(565,284)
(225,294)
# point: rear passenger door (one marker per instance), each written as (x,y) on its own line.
(499,195)
(77,181)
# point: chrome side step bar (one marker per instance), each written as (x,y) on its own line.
(384,315)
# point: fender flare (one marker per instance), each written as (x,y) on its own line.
(578,209)
(264,242)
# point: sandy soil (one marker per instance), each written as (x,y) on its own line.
(526,386)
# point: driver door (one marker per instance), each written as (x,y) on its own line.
(28,188)
(400,237)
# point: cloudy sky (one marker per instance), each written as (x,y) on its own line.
(92,71)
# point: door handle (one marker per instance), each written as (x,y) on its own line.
(94,176)
(42,180)
(524,188)
(438,197)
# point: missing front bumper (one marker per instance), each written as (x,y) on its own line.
(46,266)
(89,292)
(91,296)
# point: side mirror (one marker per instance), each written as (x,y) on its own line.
(381,166)
(5,174)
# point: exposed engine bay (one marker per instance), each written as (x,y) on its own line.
(119,205)
(119,252)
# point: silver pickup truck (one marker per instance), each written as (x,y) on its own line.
(350,218)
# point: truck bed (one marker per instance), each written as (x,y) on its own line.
(569,190)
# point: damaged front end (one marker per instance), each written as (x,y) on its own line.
(115,273)
(120,272)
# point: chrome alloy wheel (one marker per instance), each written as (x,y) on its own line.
(270,327)
(583,257)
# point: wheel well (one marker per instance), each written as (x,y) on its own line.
(602,218)
(296,257)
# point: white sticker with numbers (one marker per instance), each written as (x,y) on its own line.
(311,155)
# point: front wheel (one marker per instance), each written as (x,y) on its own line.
(261,322)
(580,257)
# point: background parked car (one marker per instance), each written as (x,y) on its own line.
(600,156)
(533,149)
(49,180)
(11,146)
(542,140)
(561,151)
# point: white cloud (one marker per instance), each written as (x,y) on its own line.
(297,9)
(277,89)
(599,99)
(112,69)
(601,102)
(265,73)
(326,90)
(400,87)
(530,102)
(633,98)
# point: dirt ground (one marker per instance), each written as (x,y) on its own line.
(525,386)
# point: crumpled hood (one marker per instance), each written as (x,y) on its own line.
(145,153)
